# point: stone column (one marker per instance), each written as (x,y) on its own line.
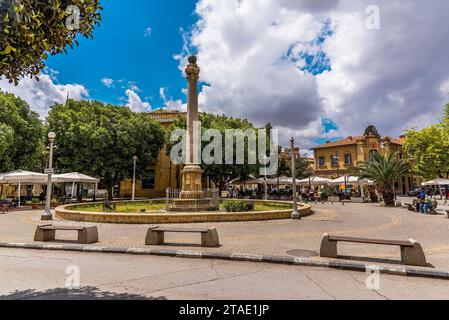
(192,173)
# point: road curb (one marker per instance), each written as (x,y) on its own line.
(404,271)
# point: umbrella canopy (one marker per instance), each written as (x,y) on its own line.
(314,181)
(23,177)
(281,180)
(249,180)
(74,177)
(437,182)
(350,180)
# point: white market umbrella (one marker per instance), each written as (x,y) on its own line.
(280,181)
(437,182)
(74,177)
(315,181)
(22,176)
(350,180)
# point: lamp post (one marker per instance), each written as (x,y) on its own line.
(46,216)
(134,178)
(295,213)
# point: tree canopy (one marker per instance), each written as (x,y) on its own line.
(32,29)
(101,140)
(384,170)
(429,148)
(20,135)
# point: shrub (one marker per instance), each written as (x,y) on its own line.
(239,206)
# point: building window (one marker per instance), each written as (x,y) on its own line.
(348,159)
(148,180)
(334,160)
(322,161)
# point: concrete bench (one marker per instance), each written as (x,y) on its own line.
(86,235)
(209,237)
(411,251)
(5,208)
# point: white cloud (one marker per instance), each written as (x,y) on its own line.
(135,103)
(389,77)
(43,94)
(170,103)
(108,82)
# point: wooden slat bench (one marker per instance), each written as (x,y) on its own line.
(86,235)
(209,237)
(411,251)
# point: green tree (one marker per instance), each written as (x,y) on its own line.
(221,174)
(101,140)
(429,148)
(384,170)
(32,29)
(302,168)
(20,135)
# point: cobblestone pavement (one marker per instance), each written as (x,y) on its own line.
(280,237)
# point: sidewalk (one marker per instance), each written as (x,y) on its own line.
(298,239)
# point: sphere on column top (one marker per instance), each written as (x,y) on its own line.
(192,59)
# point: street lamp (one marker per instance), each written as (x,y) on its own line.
(134,178)
(46,216)
(295,213)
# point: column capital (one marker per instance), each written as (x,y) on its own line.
(192,70)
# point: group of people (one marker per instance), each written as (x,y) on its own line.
(424,203)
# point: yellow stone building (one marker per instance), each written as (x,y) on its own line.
(161,174)
(333,159)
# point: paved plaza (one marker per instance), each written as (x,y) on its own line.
(163,277)
(279,237)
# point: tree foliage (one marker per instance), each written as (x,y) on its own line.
(20,135)
(429,148)
(221,174)
(101,140)
(32,29)
(384,170)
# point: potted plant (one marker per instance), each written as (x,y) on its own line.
(54,203)
(35,203)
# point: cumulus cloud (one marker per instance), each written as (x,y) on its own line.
(108,82)
(279,63)
(170,103)
(43,94)
(135,103)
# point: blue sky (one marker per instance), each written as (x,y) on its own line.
(121,51)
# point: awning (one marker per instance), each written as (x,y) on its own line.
(314,181)
(437,182)
(351,180)
(73,177)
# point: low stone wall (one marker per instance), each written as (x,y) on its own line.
(64,212)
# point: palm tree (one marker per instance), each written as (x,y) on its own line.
(384,170)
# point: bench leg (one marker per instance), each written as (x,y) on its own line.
(413,256)
(210,239)
(328,248)
(44,235)
(88,235)
(154,237)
